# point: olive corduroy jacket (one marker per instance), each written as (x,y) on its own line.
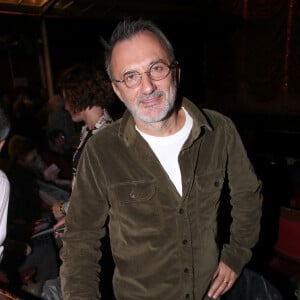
(163,244)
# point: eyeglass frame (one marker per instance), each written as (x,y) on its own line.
(171,66)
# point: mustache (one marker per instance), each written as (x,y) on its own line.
(152,95)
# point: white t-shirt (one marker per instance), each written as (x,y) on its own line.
(4,197)
(167,149)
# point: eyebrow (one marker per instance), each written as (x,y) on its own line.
(149,66)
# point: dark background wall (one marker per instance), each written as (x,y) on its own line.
(238,57)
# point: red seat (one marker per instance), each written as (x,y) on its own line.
(286,257)
(288,242)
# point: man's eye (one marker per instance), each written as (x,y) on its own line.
(131,76)
(158,68)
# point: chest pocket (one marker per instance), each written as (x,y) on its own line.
(210,186)
(134,193)
(135,207)
(211,182)
(209,189)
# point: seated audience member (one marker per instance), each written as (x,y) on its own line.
(24,156)
(26,175)
(24,205)
(60,120)
(57,153)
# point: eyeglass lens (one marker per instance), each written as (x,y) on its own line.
(157,71)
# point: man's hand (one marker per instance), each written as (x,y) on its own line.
(223,280)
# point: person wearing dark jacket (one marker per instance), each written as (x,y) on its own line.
(159,179)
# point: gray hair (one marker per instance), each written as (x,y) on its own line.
(125,30)
(4,125)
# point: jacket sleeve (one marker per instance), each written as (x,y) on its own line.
(246,200)
(85,226)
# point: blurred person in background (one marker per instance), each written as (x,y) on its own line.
(4,183)
(59,119)
(88,96)
(30,192)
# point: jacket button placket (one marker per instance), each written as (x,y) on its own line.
(185,253)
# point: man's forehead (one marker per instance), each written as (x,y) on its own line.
(141,49)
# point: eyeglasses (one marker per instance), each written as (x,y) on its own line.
(156,72)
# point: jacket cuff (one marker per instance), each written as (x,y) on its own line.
(236,260)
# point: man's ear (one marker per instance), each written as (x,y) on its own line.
(2,142)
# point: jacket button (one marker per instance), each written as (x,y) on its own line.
(187,296)
(216,183)
(132,195)
(181,211)
(184,242)
(186,270)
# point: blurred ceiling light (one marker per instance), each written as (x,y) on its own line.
(62,4)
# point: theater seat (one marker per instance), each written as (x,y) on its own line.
(286,257)
(288,242)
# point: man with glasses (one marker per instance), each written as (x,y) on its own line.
(159,179)
(157,71)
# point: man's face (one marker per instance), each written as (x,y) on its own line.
(151,101)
